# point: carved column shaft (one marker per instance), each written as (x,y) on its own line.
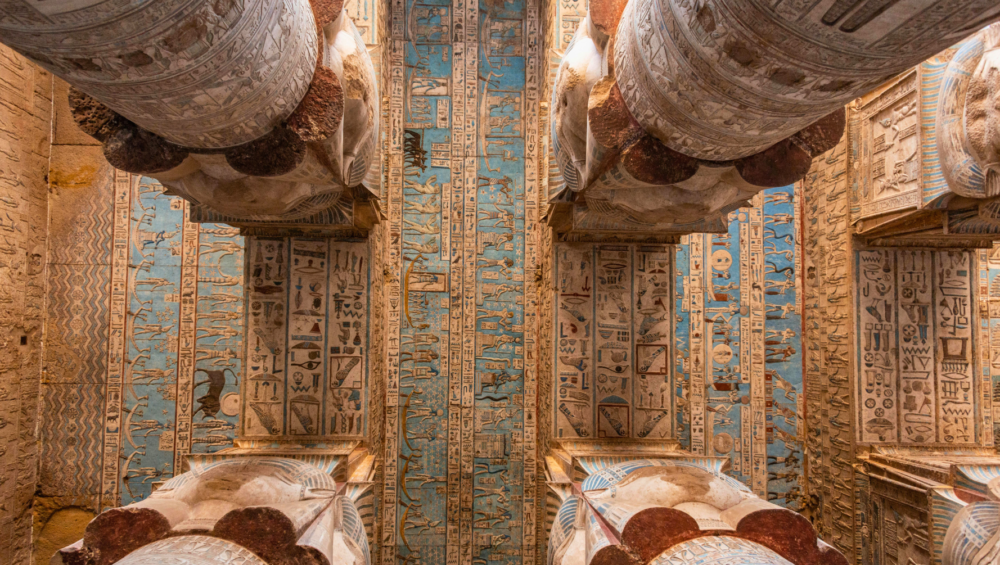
(199,74)
(725,79)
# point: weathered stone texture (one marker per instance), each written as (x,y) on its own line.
(77,309)
(828,360)
(25,117)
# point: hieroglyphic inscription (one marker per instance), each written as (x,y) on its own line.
(760,415)
(993,268)
(953,315)
(982,349)
(181,365)
(574,334)
(307,348)
(738,346)
(26,95)
(117,339)
(889,173)
(828,333)
(613,358)
(267,301)
(220,320)
(460,430)
(919,303)
(782,346)
(186,337)
(698,363)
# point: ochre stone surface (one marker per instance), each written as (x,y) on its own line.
(61,528)
(25,126)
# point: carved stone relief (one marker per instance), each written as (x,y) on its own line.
(613,366)
(308,327)
(258,111)
(668,115)
(926,171)
(145,365)
(900,323)
(927,505)
(829,315)
(890,169)
(915,370)
(25,126)
(463,177)
(738,349)
(677,510)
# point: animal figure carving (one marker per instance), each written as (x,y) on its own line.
(209,404)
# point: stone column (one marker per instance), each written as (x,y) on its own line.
(234,507)
(663,510)
(726,79)
(256,111)
(199,74)
(669,114)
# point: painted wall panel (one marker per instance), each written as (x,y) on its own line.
(613,341)
(462,177)
(915,380)
(144,360)
(738,346)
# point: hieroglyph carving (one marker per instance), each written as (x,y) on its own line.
(613,329)
(25,132)
(915,374)
(197,74)
(307,344)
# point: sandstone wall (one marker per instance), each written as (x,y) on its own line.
(25,116)
(142,358)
